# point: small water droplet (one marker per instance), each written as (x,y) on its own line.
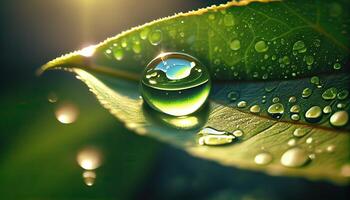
(330,148)
(341,105)
(295,109)
(229,20)
(292,142)
(292,99)
(237,133)
(155,37)
(300,132)
(255,109)
(52,98)
(136,47)
(286,60)
(299,47)
(180,89)
(312,156)
(314,114)
(215,140)
(295,117)
(118,54)
(330,93)
(261,46)
(306,92)
(235,45)
(233,96)
(339,118)
(276,110)
(89,177)
(270,88)
(327,109)
(275,100)
(309,60)
(337,66)
(263,158)
(294,157)
(211,17)
(315,80)
(144,33)
(211,131)
(241,104)
(343,94)
(309,140)
(89,158)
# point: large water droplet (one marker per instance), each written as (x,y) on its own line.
(339,118)
(235,45)
(306,92)
(276,110)
(261,46)
(330,93)
(181,86)
(263,158)
(299,47)
(294,157)
(314,114)
(155,37)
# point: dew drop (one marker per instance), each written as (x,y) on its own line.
(343,94)
(330,93)
(337,66)
(261,46)
(211,131)
(263,158)
(276,110)
(215,140)
(339,118)
(67,113)
(309,140)
(255,109)
(229,20)
(235,45)
(275,100)
(300,132)
(144,33)
(314,114)
(241,104)
(181,86)
(292,142)
(330,148)
(155,37)
(315,80)
(309,60)
(295,109)
(294,157)
(233,96)
(306,92)
(136,48)
(237,133)
(341,105)
(327,109)
(292,99)
(118,54)
(299,47)
(52,98)
(295,117)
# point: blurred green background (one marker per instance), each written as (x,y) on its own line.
(38,154)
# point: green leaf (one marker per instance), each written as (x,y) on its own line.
(269,49)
